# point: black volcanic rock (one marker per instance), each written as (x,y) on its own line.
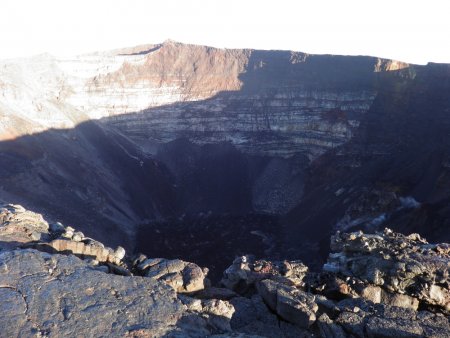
(407,265)
(372,286)
(59,294)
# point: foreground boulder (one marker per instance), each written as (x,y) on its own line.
(19,226)
(279,283)
(246,271)
(291,304)
(183,277)
(61,296)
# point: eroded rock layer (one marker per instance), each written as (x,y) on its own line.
(265,102)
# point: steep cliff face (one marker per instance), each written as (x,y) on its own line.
(264,102)
(158,132)
(393,172)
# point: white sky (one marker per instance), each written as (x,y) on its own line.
(412,31)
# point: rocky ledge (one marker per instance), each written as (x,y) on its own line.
(55,282)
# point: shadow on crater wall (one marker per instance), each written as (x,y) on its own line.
(98,179)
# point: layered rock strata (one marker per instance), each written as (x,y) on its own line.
(95,131)
(266,102)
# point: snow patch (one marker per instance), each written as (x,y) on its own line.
(409,202)
(377,221)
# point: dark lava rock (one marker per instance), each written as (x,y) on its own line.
(61,296)
(407,269)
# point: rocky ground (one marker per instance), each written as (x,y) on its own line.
(56,282)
